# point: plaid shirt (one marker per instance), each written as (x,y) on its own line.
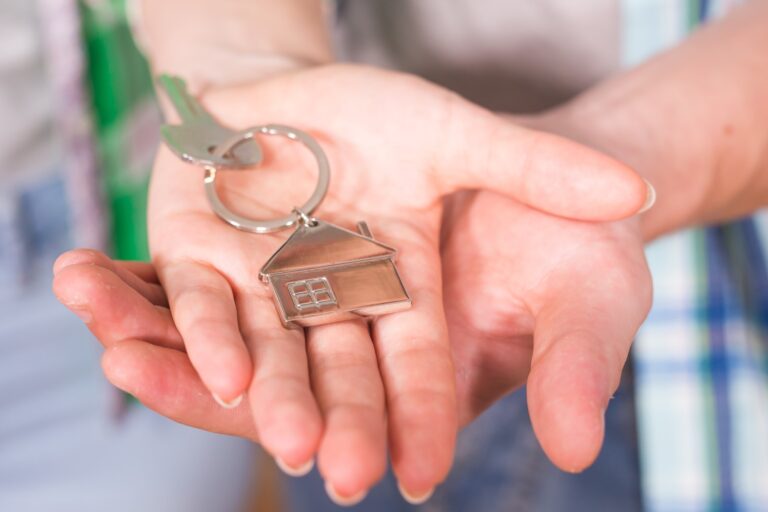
(700,359)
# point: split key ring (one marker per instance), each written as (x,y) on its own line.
(269,225)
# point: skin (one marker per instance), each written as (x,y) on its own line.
(227,42)
(560,327)
(538,306)
(705,149)
(344,391)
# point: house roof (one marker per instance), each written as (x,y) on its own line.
(323,244)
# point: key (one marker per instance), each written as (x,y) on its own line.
(195,139)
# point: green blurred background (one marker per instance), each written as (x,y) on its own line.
(126,121)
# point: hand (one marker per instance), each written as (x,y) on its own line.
(397,145)
(539,300)
(125,307)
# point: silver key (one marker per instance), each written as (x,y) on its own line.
(198,135)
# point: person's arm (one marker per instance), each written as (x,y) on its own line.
(227,42)
(693,121)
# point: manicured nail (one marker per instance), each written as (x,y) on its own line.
(414,498)
(344,501)
(650,197)
(295,471)
(228,405)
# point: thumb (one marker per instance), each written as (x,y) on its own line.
(579,352)
(543,170)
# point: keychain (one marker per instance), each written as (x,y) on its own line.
(323,273)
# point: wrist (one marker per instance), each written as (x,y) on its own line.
(632,138)
(233,42)
(691,121)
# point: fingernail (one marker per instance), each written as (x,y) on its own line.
(650,197)
(344,501)
(295,471)
(228,405)
(415,498)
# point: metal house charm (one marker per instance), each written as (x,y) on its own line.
(324,273)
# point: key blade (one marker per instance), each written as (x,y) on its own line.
(186,106)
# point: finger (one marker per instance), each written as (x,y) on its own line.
(348,387)
(125,270)
(418,373)
(580,348)
(145,271)
(165,381)
(287,417)
(546,171)
(204,311)
(113,310)
(470,147)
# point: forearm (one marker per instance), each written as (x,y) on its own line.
(225,42)
(693,121)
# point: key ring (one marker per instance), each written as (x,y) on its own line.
(269,225)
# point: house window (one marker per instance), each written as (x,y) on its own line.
(311,293)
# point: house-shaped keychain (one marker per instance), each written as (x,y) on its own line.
(324,273)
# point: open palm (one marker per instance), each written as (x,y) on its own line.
(397,145)
(550,302)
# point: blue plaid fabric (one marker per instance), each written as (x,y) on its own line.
(701,360)
(701,365)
